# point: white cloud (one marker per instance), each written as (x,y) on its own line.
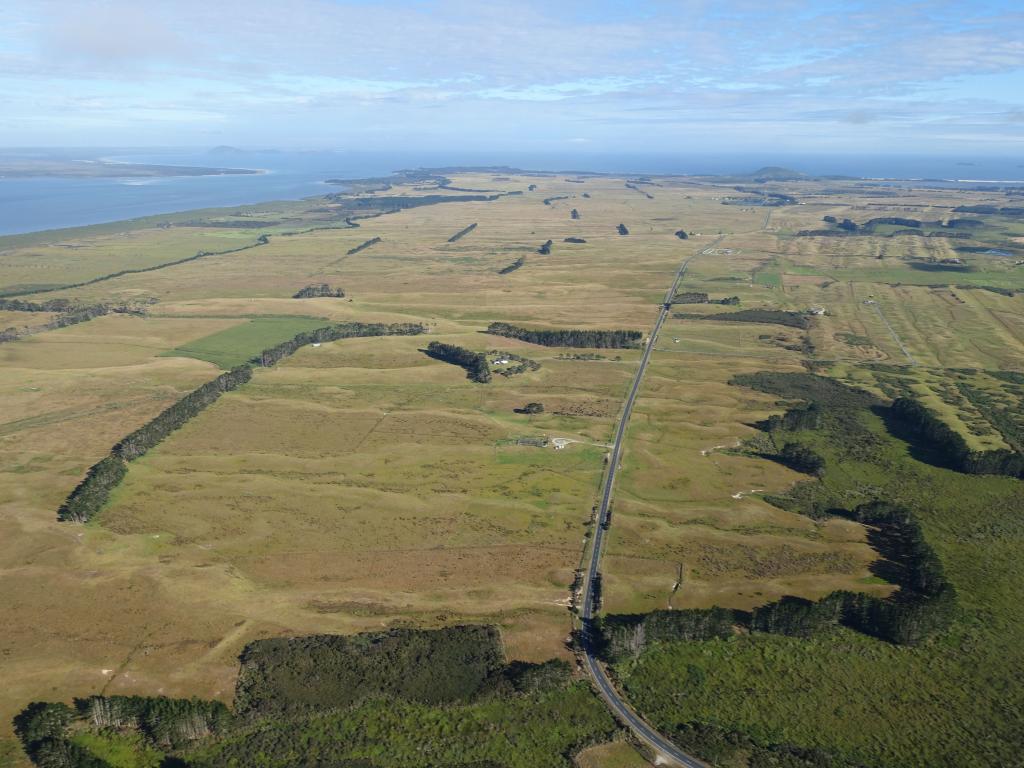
(453,67)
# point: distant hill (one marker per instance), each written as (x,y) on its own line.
(777,173)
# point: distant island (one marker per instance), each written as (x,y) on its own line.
(100,169)
(775,173)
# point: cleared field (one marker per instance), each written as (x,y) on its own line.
(357,485)
(54,261)
(356,495)
(362,484)
(240,343)
(690,529)
(11,319)
(615,755)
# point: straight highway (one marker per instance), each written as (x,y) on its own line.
(662,746)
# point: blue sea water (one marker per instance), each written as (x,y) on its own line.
(28,205)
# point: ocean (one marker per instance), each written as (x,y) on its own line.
(28,205)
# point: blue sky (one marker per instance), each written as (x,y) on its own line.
(597,76)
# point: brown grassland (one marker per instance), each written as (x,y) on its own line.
(362,484)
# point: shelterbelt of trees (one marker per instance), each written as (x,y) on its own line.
(462,233)
(91,494)
(362,246)
(475,363)
(616,339)
(768,316)
(513,266)
(70,316)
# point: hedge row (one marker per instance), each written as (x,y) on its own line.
(569,337)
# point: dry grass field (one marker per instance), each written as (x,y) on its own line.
(618,754)
(362,484)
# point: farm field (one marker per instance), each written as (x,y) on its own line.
(240,343)
(363,485)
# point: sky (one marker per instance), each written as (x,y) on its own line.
(687,76)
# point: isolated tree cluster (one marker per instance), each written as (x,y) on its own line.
(475,363)
(319,290)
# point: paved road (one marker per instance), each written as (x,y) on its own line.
(620,709)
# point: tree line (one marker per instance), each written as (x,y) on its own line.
(925,601)
(462,233)
(319,290)
(612,339)
(699,297)
(363,246)
(513,266)
(261,240)
(63,320)
(643,192)
(92,492)
(50,305)
(950,444)
(922,607)
(771,316)
(45,729)
(475,363)
(273,355)
(910,227)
